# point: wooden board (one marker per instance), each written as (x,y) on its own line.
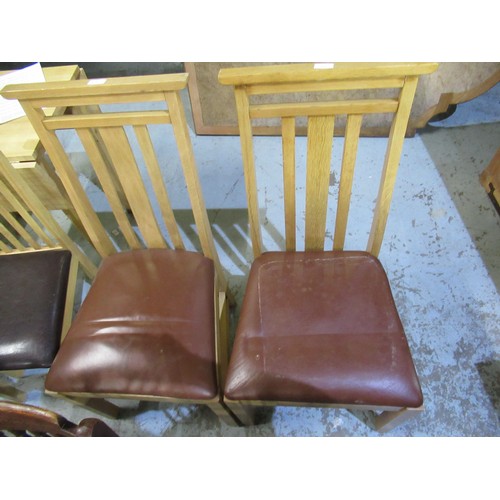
(18,140)
(214,111)
(21,145)
(490,180)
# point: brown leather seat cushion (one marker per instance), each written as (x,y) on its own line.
(33,289)
(321,327)
(146,327)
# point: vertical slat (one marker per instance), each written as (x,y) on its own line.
(11,238)
(122,157)
(160,190)
(72,185)
(20,229)
(102,170)
(186,154)
(3,246)
(18,207)
(319,151)
(353,129)
(70,297)
(391,164)
(245,128)
(94,109)
(288,137)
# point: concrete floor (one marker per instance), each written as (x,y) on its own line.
(442,255)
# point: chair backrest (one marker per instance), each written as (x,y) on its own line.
(292,80)
(17,419)
(26,225)
(122,147)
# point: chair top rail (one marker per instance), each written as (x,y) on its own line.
(97,87)
(306,72)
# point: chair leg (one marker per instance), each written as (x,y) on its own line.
(224,413)
(388,420)
(230,298)
(12,392)
(9,390)
(98,405)
(244,413)
(70,297)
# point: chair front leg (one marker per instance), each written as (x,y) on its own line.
(224,413)
(244,413)
(12,392)
(388,420)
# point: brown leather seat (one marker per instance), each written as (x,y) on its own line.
(33,288)
(146,327)
(321,327)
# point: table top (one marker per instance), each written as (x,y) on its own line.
(18,140)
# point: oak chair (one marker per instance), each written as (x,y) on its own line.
(154,323)
(22,420)
(38,274)
(319,327)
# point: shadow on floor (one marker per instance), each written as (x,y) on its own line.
(460,155)
(489,372)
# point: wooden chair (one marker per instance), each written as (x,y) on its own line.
(154,323)
(320,327)
(21,420)
(38,273)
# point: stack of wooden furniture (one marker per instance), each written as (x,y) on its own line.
(38,269)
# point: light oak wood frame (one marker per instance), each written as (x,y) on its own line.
(296,78)
(107,146)
(34,229)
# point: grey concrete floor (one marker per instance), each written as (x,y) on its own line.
(442,255)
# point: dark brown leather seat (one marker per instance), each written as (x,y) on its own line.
(33,289)
(321,327)
(146,327)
